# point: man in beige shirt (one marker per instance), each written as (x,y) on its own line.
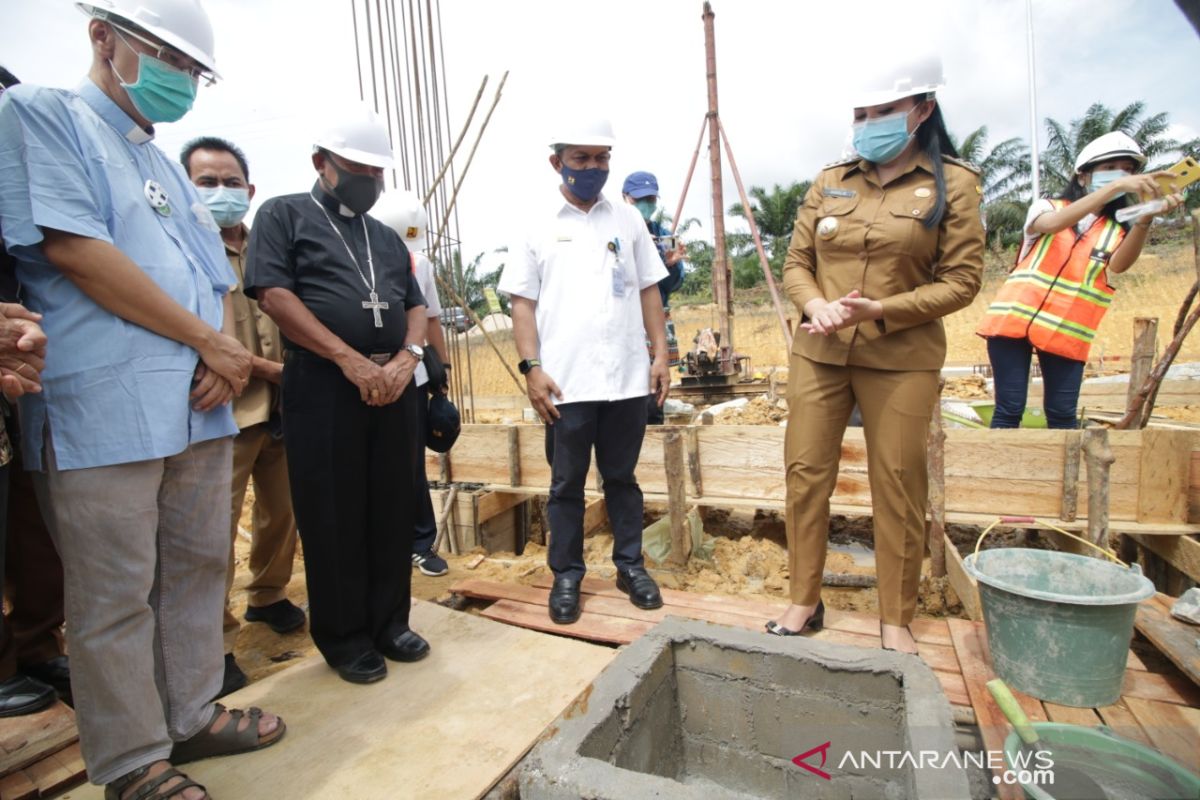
(219,171)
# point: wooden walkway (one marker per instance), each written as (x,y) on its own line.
(1161,709)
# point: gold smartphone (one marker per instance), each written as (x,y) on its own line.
(1183,174)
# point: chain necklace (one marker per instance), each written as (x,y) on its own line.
(373,305)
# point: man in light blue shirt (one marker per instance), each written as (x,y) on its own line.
(132,431)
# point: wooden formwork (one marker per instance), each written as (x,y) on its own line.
(1154,481)
(1150,490)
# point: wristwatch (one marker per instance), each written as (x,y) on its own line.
(417,351)
(528,364)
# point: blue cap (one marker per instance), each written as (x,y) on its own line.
(640,184)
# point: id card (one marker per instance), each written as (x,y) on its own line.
(618,281)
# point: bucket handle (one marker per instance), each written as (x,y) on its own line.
(1009,520)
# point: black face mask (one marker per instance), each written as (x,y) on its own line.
(356,192)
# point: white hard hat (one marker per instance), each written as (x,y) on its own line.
(402,212)
(1111,145)
(183,24)
(585,133)
(918,75)
(358,135)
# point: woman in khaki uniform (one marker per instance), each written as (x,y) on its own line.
(885,245)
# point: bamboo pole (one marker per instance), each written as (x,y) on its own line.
(687,182)
(454,149)
(442,517)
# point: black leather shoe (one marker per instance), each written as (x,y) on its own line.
(367,668)
(20,695)
(641,588)
(564,601)
(282,617)
(234,678)
(56,672)
(408,646)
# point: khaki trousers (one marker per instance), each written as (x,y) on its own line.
(896,407)
(273,542)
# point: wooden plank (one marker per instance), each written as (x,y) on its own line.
(993,727)
(963,584)
(1181,552)
(1170,688)
(53,774)
(1172,729)
(592,627)
(32,737)
(929,631)
(1072,445)
(491,504)
(1086,717)
(673,461)
(17,786)
(1121,720)
(955,688)
(1174,639)
(487,691)
(1165,462)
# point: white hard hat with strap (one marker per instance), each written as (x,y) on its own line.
(1115,144)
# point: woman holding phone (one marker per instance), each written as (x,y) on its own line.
(1057,294)
(885,245)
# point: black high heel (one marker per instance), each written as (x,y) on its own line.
(814,623)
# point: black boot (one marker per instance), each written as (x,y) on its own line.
(20,695)
(234,678)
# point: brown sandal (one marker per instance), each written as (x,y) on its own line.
(228,740)
(150,790)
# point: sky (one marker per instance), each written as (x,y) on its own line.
(785,69)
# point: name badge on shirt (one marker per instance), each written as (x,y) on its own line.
(157,197)
(829,191)
(618,281)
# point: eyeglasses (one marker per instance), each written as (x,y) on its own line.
(170,56)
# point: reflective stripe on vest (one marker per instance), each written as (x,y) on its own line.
(1058,293)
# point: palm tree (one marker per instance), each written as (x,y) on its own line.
(775,215)
(1004,169)
(1149,131)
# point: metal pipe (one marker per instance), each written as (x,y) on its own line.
(720,269)
(1033,117)
(758,245)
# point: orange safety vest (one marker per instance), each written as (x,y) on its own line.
(1057,295)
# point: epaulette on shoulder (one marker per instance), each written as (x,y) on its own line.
(961,163)
(845,162)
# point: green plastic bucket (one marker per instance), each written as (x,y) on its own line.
(1123,768)
(1058,624)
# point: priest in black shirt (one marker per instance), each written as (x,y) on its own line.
(340,286)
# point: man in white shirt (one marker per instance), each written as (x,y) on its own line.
(584,291)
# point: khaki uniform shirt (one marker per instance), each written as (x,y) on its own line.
(852,233)
(258,334)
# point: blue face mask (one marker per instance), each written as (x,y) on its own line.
(584,183)
(162,92)
(1103,177)
(646,206)
(881,140)
(228,205)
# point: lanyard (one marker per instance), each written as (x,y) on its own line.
(370,261)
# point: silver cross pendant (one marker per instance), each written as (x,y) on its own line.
(375,306)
